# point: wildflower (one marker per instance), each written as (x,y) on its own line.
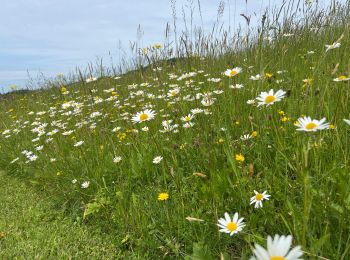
(163,196)
(78,143)
(236,86)
(332,46)
(311,125)
(142,116)
(90,79)
(251,102)
(268,75)
(74,181)
(233,72)
(246,137)
(256,77)
(231,226)
(173,92)
(277,249)
(258,198)
(85,184)
(347,121)
(207,102)
(157,159)
(269,98)
(117,159)
(254,134)
(240,157)
(187,118)
(341,78)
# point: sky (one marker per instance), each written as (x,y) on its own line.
(56,36)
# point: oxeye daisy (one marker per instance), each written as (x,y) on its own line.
(258,198)
(157,159)
(341,78)
(187,118)
(269,98)
(142,116)
(277,249)
(311,125)
(231,226)
(231,73)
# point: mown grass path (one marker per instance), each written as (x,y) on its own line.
(31,228)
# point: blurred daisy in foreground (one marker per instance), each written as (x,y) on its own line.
(347,121)
(233,72)
(231,226)
(311,125)
(85,184)
(142,116)
(269,98)
(277,249)
(258,198)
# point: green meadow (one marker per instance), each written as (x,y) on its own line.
(145,164)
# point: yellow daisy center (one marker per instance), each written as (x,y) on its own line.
(277,258)
(310,126)
(187,118)
(233,72)
(143,117)
(342,77)
(270,99)
(259,196)
(232,226)
(173,93)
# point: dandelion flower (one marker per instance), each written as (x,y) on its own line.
(234,72)
(231,226)
(277,249)
(258,198)
(311,125)
(157,159)
(163,196)
(142,116)
(269,98)
(240,157)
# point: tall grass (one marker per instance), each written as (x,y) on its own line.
(305,173)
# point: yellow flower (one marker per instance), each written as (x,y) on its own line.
(58,173)
(63,90)
(157,46)
(268,75)
(281,112)
(163,196)
(332,126)
(254,134)
(240,157)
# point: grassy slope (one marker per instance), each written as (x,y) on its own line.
(34,229)
(306,174)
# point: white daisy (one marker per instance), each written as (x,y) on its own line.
(258,198)
(269,98)
(157,159)
(231,226)
(234,72)
(78,143)
(256,77)
(117,159)
(236,86)
(173,92)
(91,79)
(187,118)
(277,249)
(332,46)
(207,102)
(142,116)
(311,125)
(347,121)
(341,78)
(85,184)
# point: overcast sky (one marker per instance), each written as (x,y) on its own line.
(55,36)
